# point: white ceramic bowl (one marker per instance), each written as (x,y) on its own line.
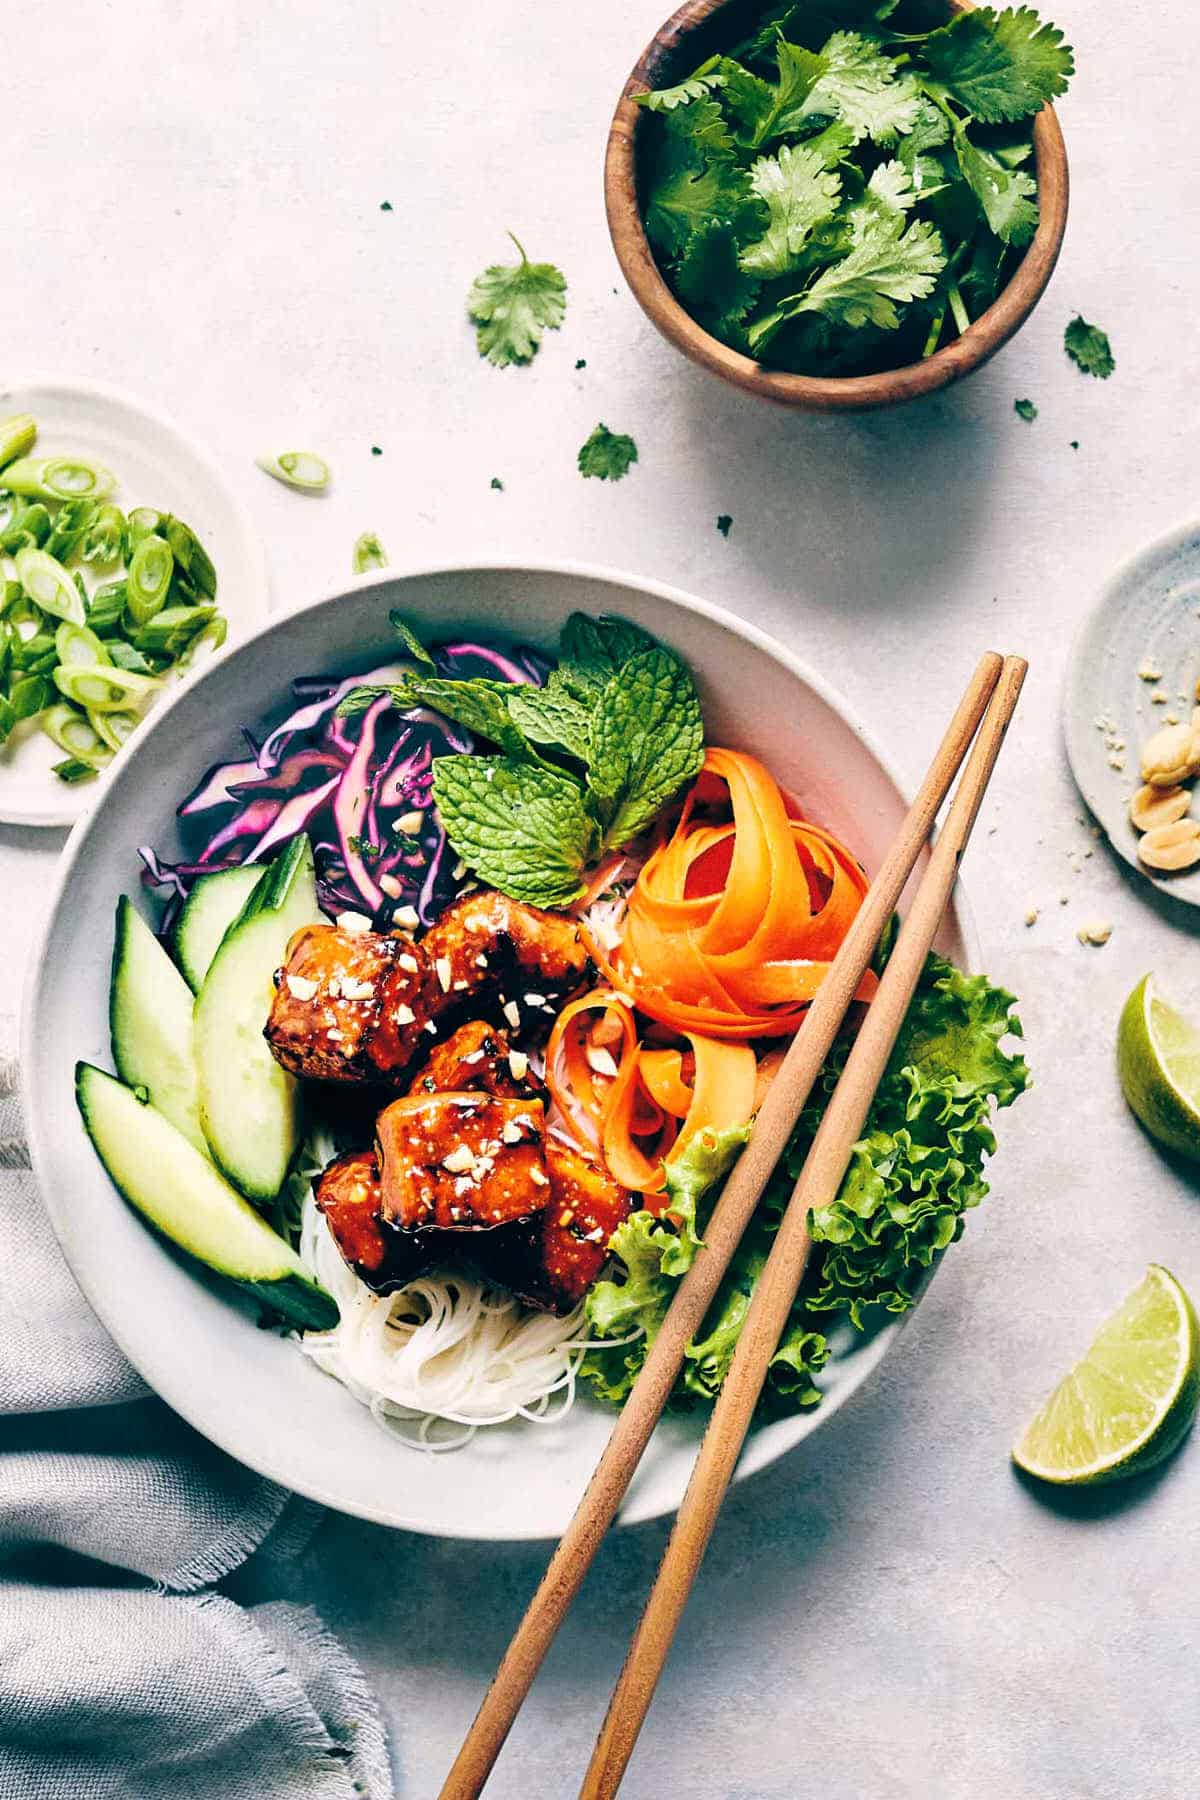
(248,1390)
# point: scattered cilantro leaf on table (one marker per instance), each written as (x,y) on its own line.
(581,362)
(1089,348)
(1025,409)
(511,304)
(607,455)
(724,522)
(497,484)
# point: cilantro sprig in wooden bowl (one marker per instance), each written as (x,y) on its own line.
(840,204)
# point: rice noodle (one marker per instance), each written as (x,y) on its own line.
(443,1351)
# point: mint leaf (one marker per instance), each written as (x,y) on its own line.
(1089,348)
(999,66)
(1025,409)
(481,706)
(594,649)
(521,827)
(798,192)
(552,715)
(607,455)
(1008,196)
(646,740)
(409,639)
(511,304)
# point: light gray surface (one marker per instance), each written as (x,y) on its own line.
(196,216)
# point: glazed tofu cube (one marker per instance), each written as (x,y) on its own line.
(478,1055)
(461,1161)
(327,1003)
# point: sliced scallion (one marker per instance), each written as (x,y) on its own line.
(172,629)
(106,608)
(140,523)
(206,642)
(11,505)
(300,469)
(190,555)
(104,539)
(48,585)
(29,529)
(113,727)
(78,647)
(72,732)
(29,695)
(106,689)
(60,478)
(71,522)
(149,577)
(18,435)
(72,770)
(368,554)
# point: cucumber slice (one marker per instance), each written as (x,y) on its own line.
(150,1018)
(249,1106)
(177,1189)
(209,910)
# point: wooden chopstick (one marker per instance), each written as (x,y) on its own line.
(775,1290)
(774,1125)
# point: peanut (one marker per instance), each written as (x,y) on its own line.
(1172,755)
(1153,806)
(1171,847)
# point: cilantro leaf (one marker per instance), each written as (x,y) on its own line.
(1025,409)
(697,87)
(1008,196)
(746,99)
(511,304)
(607,455)
(864,89)
(890,264)
(999,65)
(521,827)
(646,740)
(711,278)
(811,21)
(798,73)
(552,715)
(724,523)
(798,192)
(1089,348)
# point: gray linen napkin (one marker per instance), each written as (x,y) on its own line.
(123,1676)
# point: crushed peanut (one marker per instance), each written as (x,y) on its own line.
(518,1064)
(300,987)
(1095,931)
(1171,756)
(406,917)
(353,922)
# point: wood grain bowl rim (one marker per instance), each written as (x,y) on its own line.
(845,393)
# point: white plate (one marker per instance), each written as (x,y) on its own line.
(246,1389)
(155,466)
(1147,616)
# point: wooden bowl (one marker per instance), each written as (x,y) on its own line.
(697,30)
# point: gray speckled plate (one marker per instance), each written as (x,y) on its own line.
(1148,617)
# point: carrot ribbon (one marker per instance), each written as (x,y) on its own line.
(730,927)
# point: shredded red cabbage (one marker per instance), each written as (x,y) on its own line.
(350,784)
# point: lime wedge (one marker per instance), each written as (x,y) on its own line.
(1131,1400)
(1158,1061)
